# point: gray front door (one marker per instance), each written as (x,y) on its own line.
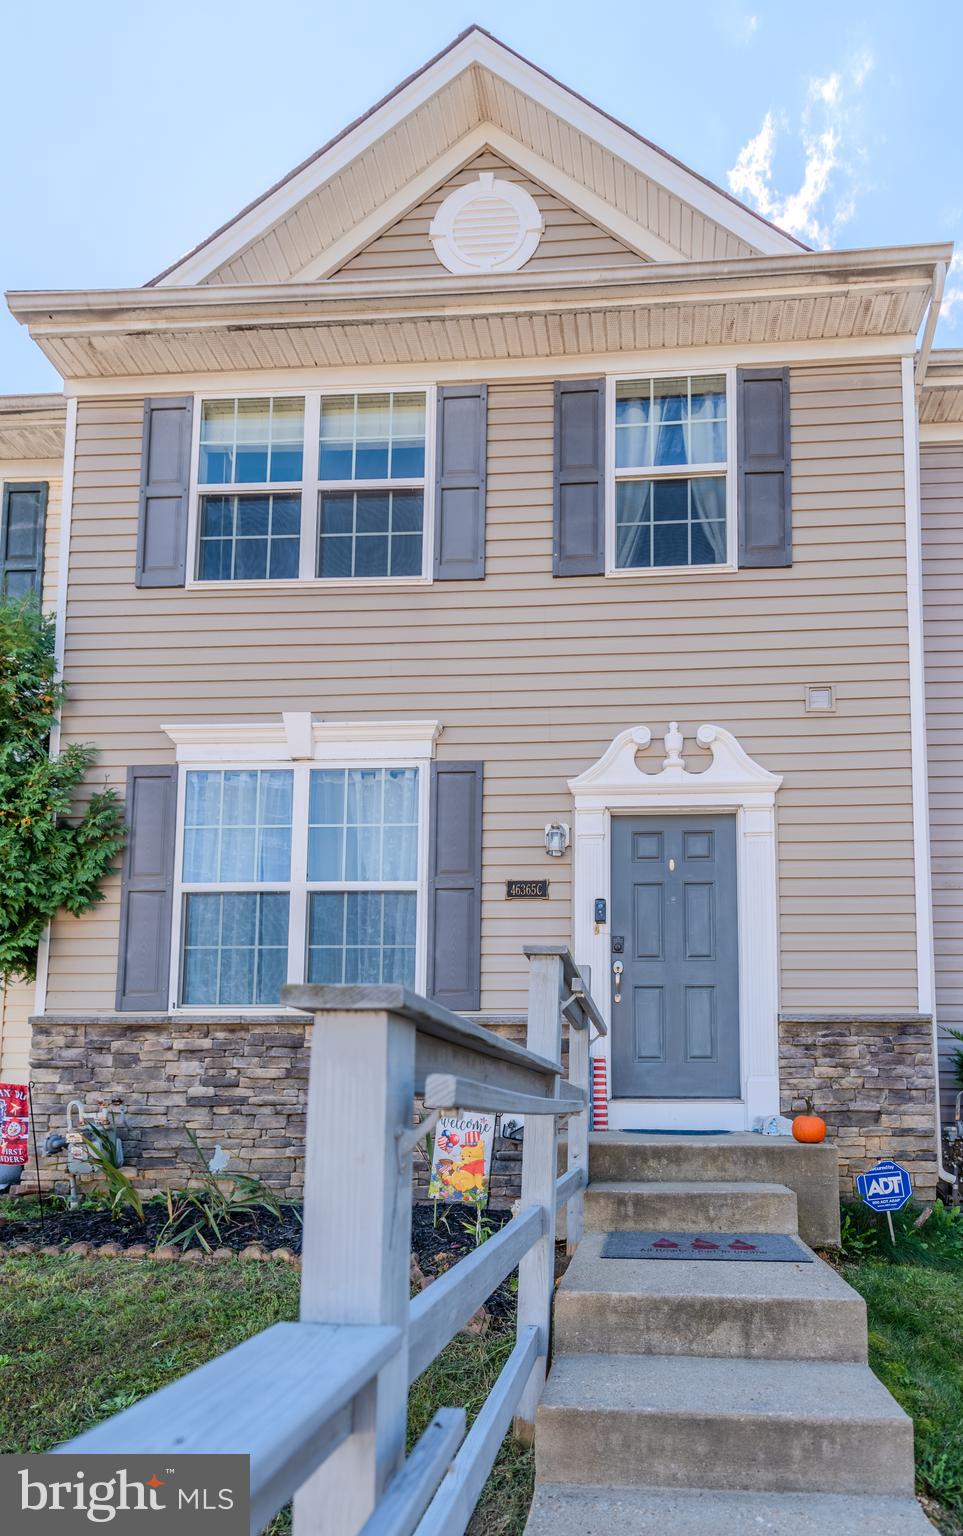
(675,1028)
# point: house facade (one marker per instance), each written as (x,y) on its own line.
(498,534)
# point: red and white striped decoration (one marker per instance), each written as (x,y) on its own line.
(600,1098)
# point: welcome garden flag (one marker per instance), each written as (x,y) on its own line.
(462,1159)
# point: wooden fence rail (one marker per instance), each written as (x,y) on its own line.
(320,1405)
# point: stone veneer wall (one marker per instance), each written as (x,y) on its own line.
(239,1082)
(872,1080)
(243,1083)
(235,1081)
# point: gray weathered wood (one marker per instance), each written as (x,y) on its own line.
(568,1184)
(443,1307)
(451,1508)
(429,1018)
(433,1055)
(412,1488)
(444,1091)
(356,1247)
(580,989)
(536,1274)
(308,1372)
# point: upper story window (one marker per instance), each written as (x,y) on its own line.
(23,509)
(372,496)
(672,472)
(324,486)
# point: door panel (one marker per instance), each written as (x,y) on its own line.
(675,1028)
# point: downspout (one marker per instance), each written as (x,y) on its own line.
(933,314)
(926,961)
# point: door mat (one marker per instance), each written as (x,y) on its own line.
(771,1247)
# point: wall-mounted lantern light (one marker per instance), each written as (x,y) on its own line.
(556,838)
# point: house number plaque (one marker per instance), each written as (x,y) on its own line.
(526,890)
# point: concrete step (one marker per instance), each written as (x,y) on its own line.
(811,1171)
(689,1206)
(558,1510)
(685,1307)
(786,1426)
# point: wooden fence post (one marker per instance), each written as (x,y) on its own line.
(357,1243)
(536,1273)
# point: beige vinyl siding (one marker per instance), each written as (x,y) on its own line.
(535,676)
(474,97)
(569,239)
(17,998)
(941,476)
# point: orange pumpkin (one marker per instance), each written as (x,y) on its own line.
(809,1127)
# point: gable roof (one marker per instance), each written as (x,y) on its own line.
(476,94)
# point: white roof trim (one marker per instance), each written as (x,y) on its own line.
(477,48)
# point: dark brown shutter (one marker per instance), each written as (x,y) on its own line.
(579,535)
(22,520)
(764,467)
(454,885)
(147,891)
(460,459)
(164,490)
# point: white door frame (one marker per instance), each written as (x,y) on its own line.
(731,782)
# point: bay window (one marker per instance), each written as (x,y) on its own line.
(672,468)
(297,873)
(329,487)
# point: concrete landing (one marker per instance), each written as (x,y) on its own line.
(740,1157)
(566,1511)
(738,1311)
(693,1205)
(674,1421)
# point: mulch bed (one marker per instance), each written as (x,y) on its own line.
(61,1228)
(436,1242)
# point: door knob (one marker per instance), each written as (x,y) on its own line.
(617,970)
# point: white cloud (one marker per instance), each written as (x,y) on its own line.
(951,309)
(826,196)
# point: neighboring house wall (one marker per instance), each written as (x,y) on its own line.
(570,239)
(17,999)
(941,476)
(534,676)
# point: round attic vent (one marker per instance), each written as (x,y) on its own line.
(486,226)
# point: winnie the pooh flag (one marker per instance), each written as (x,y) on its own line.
(462,1157)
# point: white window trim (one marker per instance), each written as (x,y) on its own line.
(310,487)
(656,573)
(300,744)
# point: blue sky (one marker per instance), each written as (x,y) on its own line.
(131,131)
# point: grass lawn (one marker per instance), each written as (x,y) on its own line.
(916,1348)
(80,1339)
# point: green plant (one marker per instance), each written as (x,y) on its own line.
(927,1237)
(100,1151)
(52,855)
(214,1203)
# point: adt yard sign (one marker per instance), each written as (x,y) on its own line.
(886,1187)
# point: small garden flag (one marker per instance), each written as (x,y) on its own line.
(14,1122)
(462,1159)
